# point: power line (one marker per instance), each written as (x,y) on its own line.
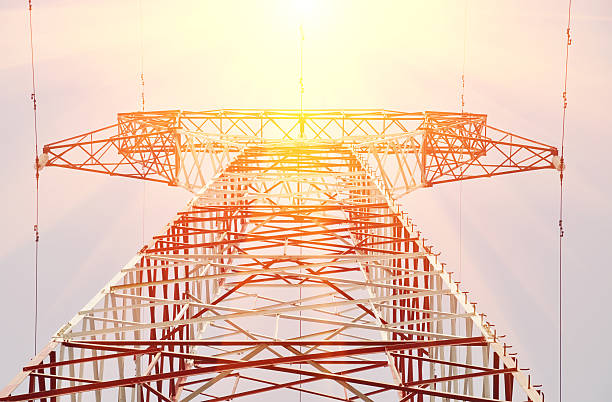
(465,16)
(299,184)
(561,229)
(142,101)
(37,164)
(142,81)
(301,81)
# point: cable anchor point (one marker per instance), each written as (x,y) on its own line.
(558,163)
(40,162)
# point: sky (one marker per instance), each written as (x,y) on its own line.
(404,56)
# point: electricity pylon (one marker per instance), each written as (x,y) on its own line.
(292,270)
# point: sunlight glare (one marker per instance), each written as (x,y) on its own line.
(303,8)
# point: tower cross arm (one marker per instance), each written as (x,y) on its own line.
(406,150)
(452,147)
(152,146)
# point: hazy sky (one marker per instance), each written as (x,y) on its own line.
(398,55)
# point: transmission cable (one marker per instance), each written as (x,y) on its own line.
(36,166)
(465,20)
(561,229)
(142,107)
(299,185)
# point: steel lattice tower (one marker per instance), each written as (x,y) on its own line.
(292,270)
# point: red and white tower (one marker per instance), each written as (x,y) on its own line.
(292,271)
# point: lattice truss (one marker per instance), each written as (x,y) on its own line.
(407,150)
(292,271)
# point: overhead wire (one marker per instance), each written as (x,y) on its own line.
(561,168)
(37,164)
(465,16)
(465,19)
(142,82)
(299,186)
(142,105)
(301,80)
